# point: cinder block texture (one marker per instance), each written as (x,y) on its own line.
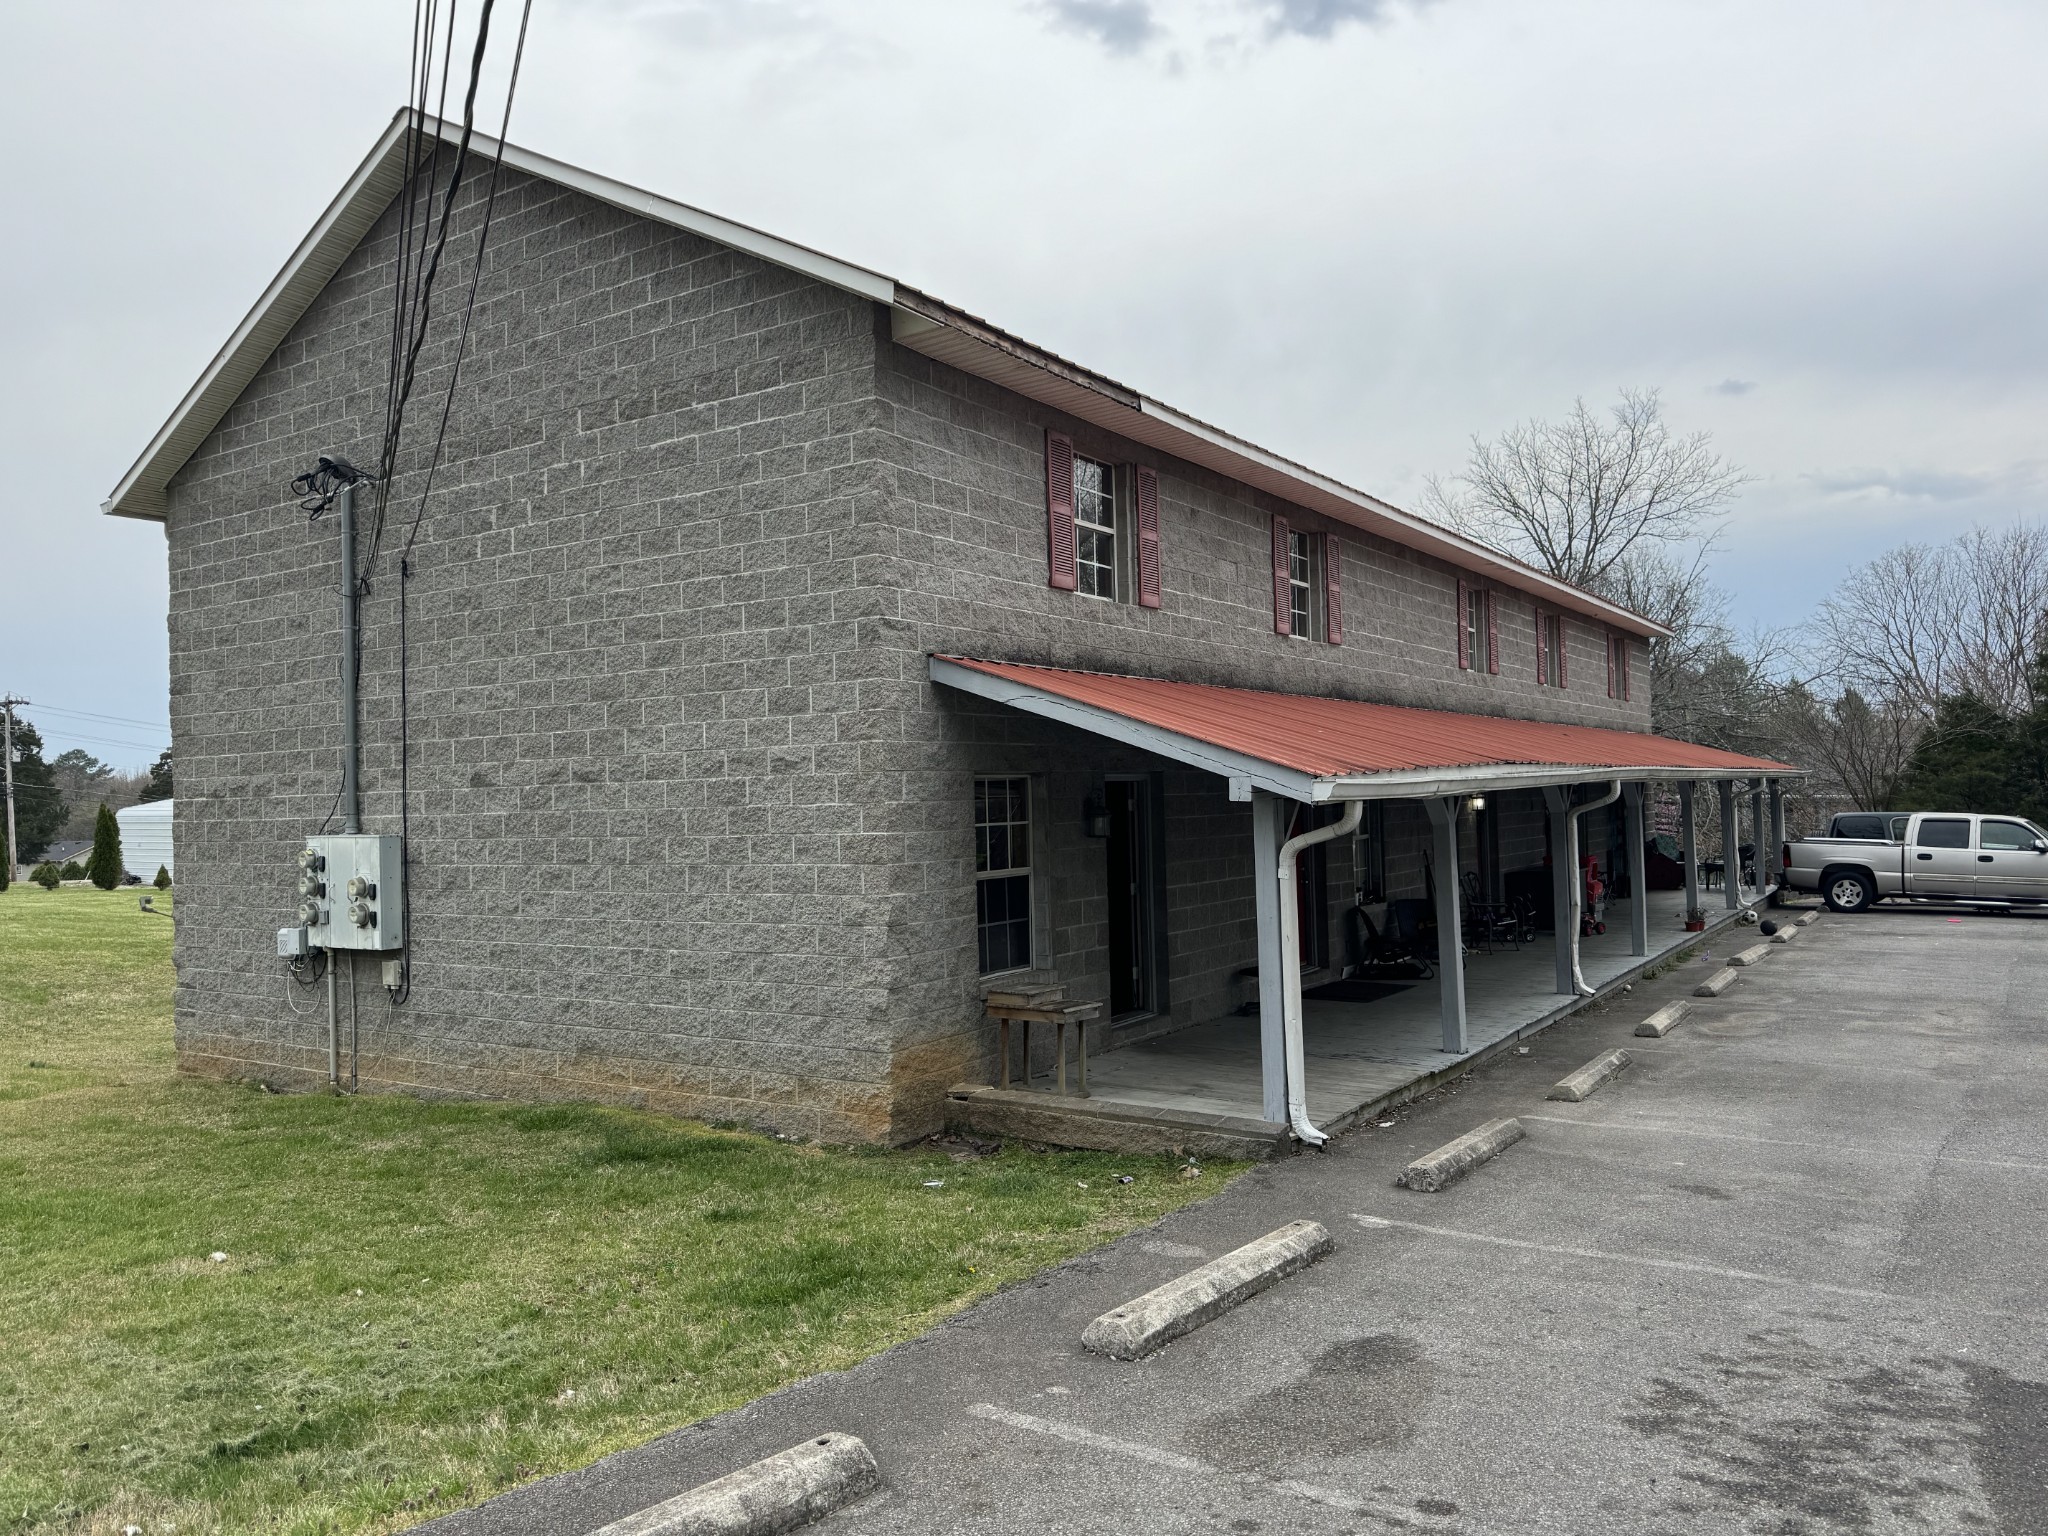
(690,827)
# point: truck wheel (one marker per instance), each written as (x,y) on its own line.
(1850,890)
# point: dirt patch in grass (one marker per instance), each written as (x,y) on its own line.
(417,1305)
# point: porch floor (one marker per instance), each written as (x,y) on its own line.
(1359,1054)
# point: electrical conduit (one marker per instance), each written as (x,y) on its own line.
(1290,968)
(1571,838)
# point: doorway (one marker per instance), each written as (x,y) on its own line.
(1133,968)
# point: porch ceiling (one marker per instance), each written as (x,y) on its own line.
(1314,749)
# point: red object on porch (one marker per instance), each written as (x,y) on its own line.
(1342,738)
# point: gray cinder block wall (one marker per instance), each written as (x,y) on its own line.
(692,829)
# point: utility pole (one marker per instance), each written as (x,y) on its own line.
(7,758)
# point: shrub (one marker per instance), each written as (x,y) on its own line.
(103,868)
(46,876)
(163,878)
(71,870)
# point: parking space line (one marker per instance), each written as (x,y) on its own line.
(1645,1261)
(1133,1450)
(1773,1141)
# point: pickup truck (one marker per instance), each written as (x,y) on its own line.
(1929,855)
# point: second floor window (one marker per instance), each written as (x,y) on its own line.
(1095,541)
(1301,584)
(1550,660)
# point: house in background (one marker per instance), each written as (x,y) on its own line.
(791,659)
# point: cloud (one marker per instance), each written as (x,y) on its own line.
(1121,26)
(1930,485)
(1319,18)
(1732,387)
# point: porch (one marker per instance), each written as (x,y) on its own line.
(1313,1052)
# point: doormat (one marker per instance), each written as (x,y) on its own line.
(1353,991)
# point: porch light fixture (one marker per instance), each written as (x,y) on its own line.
(1477,802)
(1095,816)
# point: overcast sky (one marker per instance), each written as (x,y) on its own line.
(1355,231)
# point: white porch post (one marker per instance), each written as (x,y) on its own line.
(1689,830)
(1756,832)
(1778,827)
(1450,946)
(1731,850)
(1638,873)
(1562,872)
(1268,825)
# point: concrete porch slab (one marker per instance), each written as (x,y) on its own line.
(1199,1087)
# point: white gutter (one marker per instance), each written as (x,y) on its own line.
(1571,848)
(1290,969)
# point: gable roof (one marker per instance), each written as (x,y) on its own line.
(917,321)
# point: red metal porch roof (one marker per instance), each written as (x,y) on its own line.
(1342,738)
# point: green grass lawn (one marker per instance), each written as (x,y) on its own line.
(420,1304)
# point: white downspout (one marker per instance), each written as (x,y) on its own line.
(1571,838)
(1290,969)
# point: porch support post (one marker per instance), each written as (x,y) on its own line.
(1450,945)
(1689,836)
(1638,873)
(1731,847)
(1558,797)
(1756,833)
(1268,815)
(1778,827)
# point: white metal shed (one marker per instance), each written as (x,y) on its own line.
(146,839)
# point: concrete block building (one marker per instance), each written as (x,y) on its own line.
(786,659)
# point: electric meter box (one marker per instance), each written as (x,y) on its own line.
(352,892)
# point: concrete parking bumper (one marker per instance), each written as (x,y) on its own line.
(1158,1317)
(778,1493)
(1454,1159)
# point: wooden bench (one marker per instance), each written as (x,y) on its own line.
(1040,1005)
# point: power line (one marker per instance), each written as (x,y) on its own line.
(86,714)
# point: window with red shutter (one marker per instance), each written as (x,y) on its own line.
(1492,635)
(1283,583)
(1059,512)
(1333,590)
(1542,649)
(1147,497)
(1464,624)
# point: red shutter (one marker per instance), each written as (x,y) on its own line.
(1542,650)
(1563,646)
(1464,634)
(1283,594)
(1147,498)
(1061,556)
(1611,678)
(1333,590)
(1492,635)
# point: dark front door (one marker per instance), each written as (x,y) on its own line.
(1130,904)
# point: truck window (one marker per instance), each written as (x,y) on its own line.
(1943,832)
(2006,836)
(1899,825)
(1857,825)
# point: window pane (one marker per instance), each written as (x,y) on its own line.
(1859,826)
(1944,833)
(1003,923)
(2008,835)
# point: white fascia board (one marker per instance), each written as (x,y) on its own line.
(354,211)
(1171,745)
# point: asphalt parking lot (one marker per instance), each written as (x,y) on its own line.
(1787,1274)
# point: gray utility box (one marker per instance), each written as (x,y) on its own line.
(352,892)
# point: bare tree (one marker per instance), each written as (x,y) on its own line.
(1926,621)
(1859,751)
(1579,497)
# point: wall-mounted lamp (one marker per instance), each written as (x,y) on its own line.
(1094,816)
(1478,802)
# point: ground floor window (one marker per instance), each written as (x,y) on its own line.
(1002,873)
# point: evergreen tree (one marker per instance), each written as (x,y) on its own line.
(163,878)
(159,786)
(104,867)
(1966,761)
(39,808)
(2030,751)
